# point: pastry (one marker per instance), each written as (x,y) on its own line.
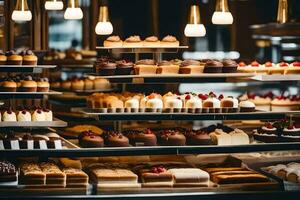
(173,104)
(229,66)
(167,67)
(48,115)
(284,103)
(75,177)
(124,67)
(28,85)
(24,116)
(291,130)
(229,104)
(8,172)
(73,54)
(191,67)
(156,176)
(38,115)
(107,69)
(294,68)
(100,84)
(66,85)
(88,84)
(54,176)
(31,174)
(142,138)
(8,86)
(197,137)
(3,58)
(133,41)
(212,104)
(132,105)
(193,104)
(9,116)
(77,84)
(262,103)
(239,137)
(279,68)
(29,58)
(151,42)
(169,41)
(113,41)
(116,139)
(13,58)
(172,138)
(213,67)
(153,103)
(43,85)
(219,137)
(184,177)
(88,139)
(246,106)
(145,67)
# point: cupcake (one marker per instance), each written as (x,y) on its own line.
(199,137)
(77,84)
(116,139)
(88,139)
(9,116)
(48,115)
(151,42)
(28,85)
(13,58)
(229,66)
(169,41)
(213,67)
(212,104)
(108,69)
(24,116)
(43,85)
(229,104)
(3,58)
(247,106)
(133,41)
(8,86)
(124,67)
(29,58)
(113,41)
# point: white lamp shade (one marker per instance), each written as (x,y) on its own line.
(73,13)
(21,16)
(104,28)
(54,5)
(195,30)
(222,18)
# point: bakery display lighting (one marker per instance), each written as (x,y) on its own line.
(21,12)
(73,12)
(282,13)
(104,26)
(54,5)
(222,15)
(194,28)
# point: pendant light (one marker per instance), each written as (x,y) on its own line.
(222,15)
(21,12)
(54,5)
(73,11)
(194,28)
(282,14)
(104,26)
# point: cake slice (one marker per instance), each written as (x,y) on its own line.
(156,176)
(189,177)
(75,177)
(8,172)
(31,174)
(239,137)
(219,137)
(54,176)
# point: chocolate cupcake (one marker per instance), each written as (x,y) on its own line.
(198,138)
(124,67)
(229,66)
(116,139)
(213,67)
(108,69)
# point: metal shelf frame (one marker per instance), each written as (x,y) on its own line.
(36,69)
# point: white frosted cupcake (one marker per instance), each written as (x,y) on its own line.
(212,104)
(173,104)
(48,115)
(247,106)
(9,116)
(132,105)
(194,105)
(38,115)
(154,105)
(24,116)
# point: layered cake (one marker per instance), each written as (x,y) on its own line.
(8,172)
(54,176)
(145,67)
(31,174)
(156,176)
(219,137)
(167,67)
(75,177)
(189,177)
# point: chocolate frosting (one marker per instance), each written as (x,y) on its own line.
(124,64)
(10,53)
(214,63)
(189,62)
(145,62)
(229,63)
(109,65)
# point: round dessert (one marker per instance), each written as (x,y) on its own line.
(191,67)
(132,105)
(279,68)
(8,86)
(88,84)
(9,116)
(268,128)
(294,68)
(261,103)
(48,115)
(193,104)
(141,138)
(151,41)
(24,116)
(268,133)
(43,85)
(77,84)
(66,85)
(133,41)
(213,67)
(13,58)
(247,106)
(212,104)
(107,69)
(169,41)
(101,83)
(124,67)
(154,104)
(38,115)
(172,138)
(55,85)
(113,41)
(173,104)
(116,139)
(198,138)
(3,58)
(229,66)
(291,130)
(28,85)
(29,58)
(284,103)
(229,104)
(88,139)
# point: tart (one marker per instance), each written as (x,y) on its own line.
(113,41)
(229,66)
(13,58)
(29,58)
(294,68)
(191,67)
(145,67)
(213,67)
(88,139)
(169,41)
(133,41)
(124,67)
(167,67)
(151,42)
(3,58)
(43,85)
(279,68)
(285,103)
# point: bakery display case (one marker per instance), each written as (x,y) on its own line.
(134,118)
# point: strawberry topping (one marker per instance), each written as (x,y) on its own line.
(255,64)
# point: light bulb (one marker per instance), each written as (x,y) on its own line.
(54,5)
(73,12)
(194,30)
(104,28)
(222,18)
(21,12)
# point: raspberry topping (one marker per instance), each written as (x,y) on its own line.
(242,64)
(269,64)
(283,64)
(255,64)
(188,97)
(296,64)
(269,125)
